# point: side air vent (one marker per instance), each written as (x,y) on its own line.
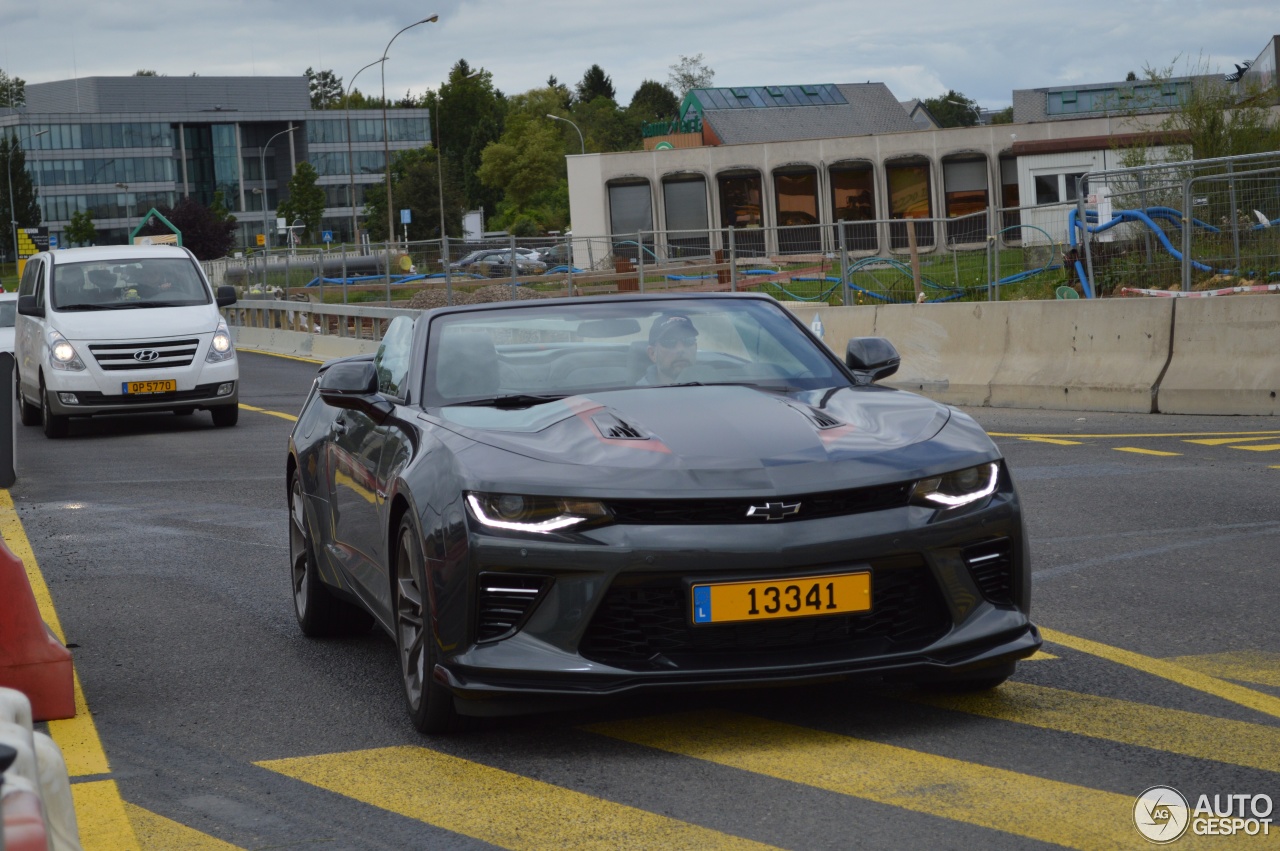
(503,602)
(991,564)
(615,428)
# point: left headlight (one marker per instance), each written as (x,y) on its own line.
(962,487)
(538,514)
(220,348)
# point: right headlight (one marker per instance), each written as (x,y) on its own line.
(63,355)
(952,490)
(537,514)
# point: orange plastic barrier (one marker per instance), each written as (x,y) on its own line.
(32,659)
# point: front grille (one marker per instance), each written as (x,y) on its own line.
(113,357)
(502,601)
(726,511)
(991,564)
(644,624)
(197,394)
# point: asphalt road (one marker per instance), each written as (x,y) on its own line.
(163,543)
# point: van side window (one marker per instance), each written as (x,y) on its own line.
(29,276)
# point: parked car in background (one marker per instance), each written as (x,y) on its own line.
(585,497)
(496,263)
(8,314)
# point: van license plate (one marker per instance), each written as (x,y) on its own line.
(136,388)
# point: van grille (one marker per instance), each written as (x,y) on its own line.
(115,357)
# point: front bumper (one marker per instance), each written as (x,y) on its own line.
(613,616)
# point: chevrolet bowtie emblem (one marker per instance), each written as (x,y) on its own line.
(774,510)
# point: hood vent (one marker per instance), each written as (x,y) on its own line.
(613,427)
(822,419)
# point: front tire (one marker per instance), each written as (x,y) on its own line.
(318,611)
(225,416)
(28,413)
(430,704)
(55,426)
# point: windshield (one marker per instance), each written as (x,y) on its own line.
(138,283)
(555,350)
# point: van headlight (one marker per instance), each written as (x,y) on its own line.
(63,355)
(962,487)
(220,348)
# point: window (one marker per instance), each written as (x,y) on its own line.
(965,196)
(741,196)
(684,203)
(1047,189)
(853,199)
(909,198)
(630,213)
(392,360)
(795,193)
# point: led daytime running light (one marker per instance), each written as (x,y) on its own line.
(957,500)
(554,524)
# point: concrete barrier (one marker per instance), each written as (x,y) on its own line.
(949,351)
(1084,355)
(299,344)
(1226,357)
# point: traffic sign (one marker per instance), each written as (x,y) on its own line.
(262,239)
(404,217)
(326,236)
(53,240)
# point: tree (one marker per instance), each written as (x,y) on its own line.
(13,90)
(24,193)
(688,74)
(208,236)
(143,72)
(953,109)
(653,101)
(595,84)
(326,89)
(306,199)
(469,115)
(1004,116)
(414,187)
(604,126)
(527,163)
(81,230)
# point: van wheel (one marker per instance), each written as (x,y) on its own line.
(28,413)
(55,426)
(225,416)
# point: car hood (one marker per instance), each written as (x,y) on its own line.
(137,323)
(712,438)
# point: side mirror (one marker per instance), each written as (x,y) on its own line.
(354,385)
(871,358)
(226,296)
(27,306)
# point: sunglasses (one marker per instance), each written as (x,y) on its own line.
(688,342)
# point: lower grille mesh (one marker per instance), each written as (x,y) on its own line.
(503,601)
(991,564)
(644,618)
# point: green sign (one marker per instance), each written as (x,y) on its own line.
(664,146)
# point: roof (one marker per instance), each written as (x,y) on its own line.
(829,111)
(123,253)
(168,94)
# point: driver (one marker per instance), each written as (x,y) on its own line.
(673,348)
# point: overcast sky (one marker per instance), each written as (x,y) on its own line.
(981,48)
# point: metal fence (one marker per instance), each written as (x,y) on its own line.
(976,257)
(1183,226)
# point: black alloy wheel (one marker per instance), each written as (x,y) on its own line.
(430,704)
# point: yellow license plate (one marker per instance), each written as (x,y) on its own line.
(132,388)
(726,602)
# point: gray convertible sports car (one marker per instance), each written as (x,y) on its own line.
(554,499)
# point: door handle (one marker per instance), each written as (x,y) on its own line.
(340,426)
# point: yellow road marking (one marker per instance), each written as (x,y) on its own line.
(1222,441)
(1246,666)
(1169,730)
(1255,700)
(99,807)
(1052,440)
(1040,656)
(278,355)
(1138,451)
(157,833)
(1268,447)
(1131,436)
(1020,804)
(289,417)
(495,806)
(101,817)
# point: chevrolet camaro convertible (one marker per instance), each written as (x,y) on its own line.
(549,500)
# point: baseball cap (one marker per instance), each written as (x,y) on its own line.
(664,325)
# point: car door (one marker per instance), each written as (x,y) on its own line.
(28,332)
(365,455)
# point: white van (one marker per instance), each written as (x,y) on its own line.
(122,328)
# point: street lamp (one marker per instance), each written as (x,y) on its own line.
(351,165)
(262,164)
(977,111)
(574,126)
(124,187)
(8,167)
(386,139)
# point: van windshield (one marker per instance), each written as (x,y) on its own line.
(140,283)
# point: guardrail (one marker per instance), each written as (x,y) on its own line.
(1173,356)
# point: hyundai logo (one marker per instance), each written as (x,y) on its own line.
(773,510)
(146,355)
